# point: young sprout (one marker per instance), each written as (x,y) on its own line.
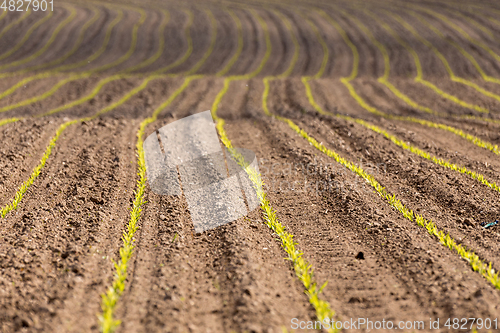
(175,237)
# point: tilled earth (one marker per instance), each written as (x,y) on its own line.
(58,246)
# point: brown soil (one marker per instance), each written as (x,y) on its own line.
(57,247)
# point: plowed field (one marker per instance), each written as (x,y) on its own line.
(376,126)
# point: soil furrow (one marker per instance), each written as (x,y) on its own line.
(37,38)
(369,65)
(341,59)
(23,144)
(225,46)
(73,91)
(62,42)
(95,37)
(455,195)
(59,241)
(201,33)
(361,208)
(253,45)
(19,27)
(119,43)
(487,62)
(175,41)
(57,247)
(306,40)
(147,41)
(438,142)
(283,48)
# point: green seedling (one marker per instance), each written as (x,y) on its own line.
(302,268)
(216,284)
(474,261)
(111,297)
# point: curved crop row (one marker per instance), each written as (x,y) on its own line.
(419,76)
(91,58)
(472,259)
(88,97)
(189,50)
(385,78)
(26,36)
(239,48)
(79,41)
(100,51)
(113,293)
(475,8)
(58,29)
(80,101)
(419,79)
(77,76)
(400,143)
(161,46)
(208,52)
(130,51)
(466,54)
(16,22)
(346,81)
(43,96)
(110,298)
(22,190)
(472,174)
(96,14)
(8,121)
(461,31)
(303,269)
(387,67)
(36,172)
(474,23)
(451,74)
